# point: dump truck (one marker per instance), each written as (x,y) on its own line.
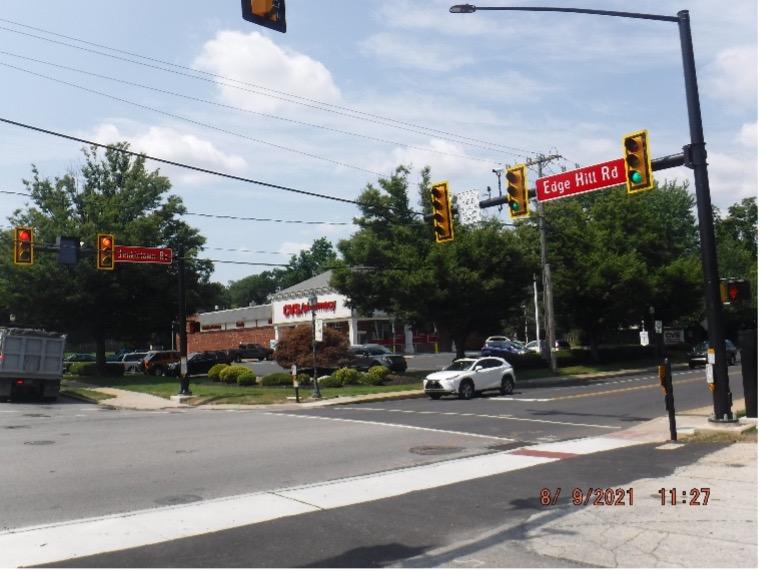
(31,362)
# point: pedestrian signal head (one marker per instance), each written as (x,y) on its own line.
(443,223)
(517,191)
(637,162)
(23,246)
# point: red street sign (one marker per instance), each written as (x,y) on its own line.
(140,255)
(581,180)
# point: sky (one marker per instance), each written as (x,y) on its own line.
(355,89)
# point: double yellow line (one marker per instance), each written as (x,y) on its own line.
(657,386)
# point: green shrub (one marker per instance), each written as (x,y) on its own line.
(89,369)
(347,376)
(213,372)
(230,374)
(376,375)
(281,379)
(330,382)
(246,379)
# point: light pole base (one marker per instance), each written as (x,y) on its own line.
(723,420)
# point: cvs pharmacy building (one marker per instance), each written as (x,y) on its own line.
(292,307)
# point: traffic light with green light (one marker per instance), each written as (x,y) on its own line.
(443,222)
(517,191)
(637,162)
(105,257)
(267,13)
(23,246)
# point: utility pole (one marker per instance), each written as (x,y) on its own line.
(547,348)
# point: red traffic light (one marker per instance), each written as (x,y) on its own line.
(105,254)
(23,246)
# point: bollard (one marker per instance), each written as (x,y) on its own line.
(666,382)
(748,344)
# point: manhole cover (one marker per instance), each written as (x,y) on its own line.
(435,450)
(39,442)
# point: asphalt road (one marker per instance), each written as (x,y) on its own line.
(86,461)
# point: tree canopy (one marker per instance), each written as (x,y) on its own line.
(111,192)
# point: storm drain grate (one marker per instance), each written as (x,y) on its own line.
(37,415)
(39,442)
(15,426)
(435,450)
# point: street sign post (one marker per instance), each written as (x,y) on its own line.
(142,255)
(585,179)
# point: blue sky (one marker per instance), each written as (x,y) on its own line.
(356,88)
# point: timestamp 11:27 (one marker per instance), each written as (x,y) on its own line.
(694,497)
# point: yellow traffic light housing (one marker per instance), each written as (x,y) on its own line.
(23,246)
(443,223)
(637,162)
(517,192)
(105,254)
(267,13)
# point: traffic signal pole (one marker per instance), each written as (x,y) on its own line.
(696,159)
(182,320)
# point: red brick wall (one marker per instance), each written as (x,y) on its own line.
(229,339)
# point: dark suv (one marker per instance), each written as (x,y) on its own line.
(365,356)
(157,362)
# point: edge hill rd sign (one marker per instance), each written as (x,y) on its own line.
(581,180)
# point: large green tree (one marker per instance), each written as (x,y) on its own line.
(736,244)
(614,255)
(393,264)
(111,192)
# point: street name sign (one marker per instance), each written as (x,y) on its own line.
(142,255)
(585,179)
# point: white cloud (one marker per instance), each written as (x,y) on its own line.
(267,67)
(395,50)
(166,143)
(748,135)
(732,78)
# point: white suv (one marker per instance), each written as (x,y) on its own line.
(465,377)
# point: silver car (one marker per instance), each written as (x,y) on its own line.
(465,377)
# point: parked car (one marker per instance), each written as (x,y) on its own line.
(497,338)
(77,358)
(132,362)
(504,349)
(534,346)
(561,345)
(157,362)
(371,355)
(465,377)
(249,351)
(199,363)
(698,355)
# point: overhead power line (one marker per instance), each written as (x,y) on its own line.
(181,165)
(322,106)
(223,106)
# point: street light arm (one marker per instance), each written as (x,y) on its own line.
(469,9)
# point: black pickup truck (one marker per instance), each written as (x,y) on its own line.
(250,351)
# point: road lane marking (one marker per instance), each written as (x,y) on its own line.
(391,425)
(611,391)
(494,416)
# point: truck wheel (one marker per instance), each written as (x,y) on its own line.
(238,359)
